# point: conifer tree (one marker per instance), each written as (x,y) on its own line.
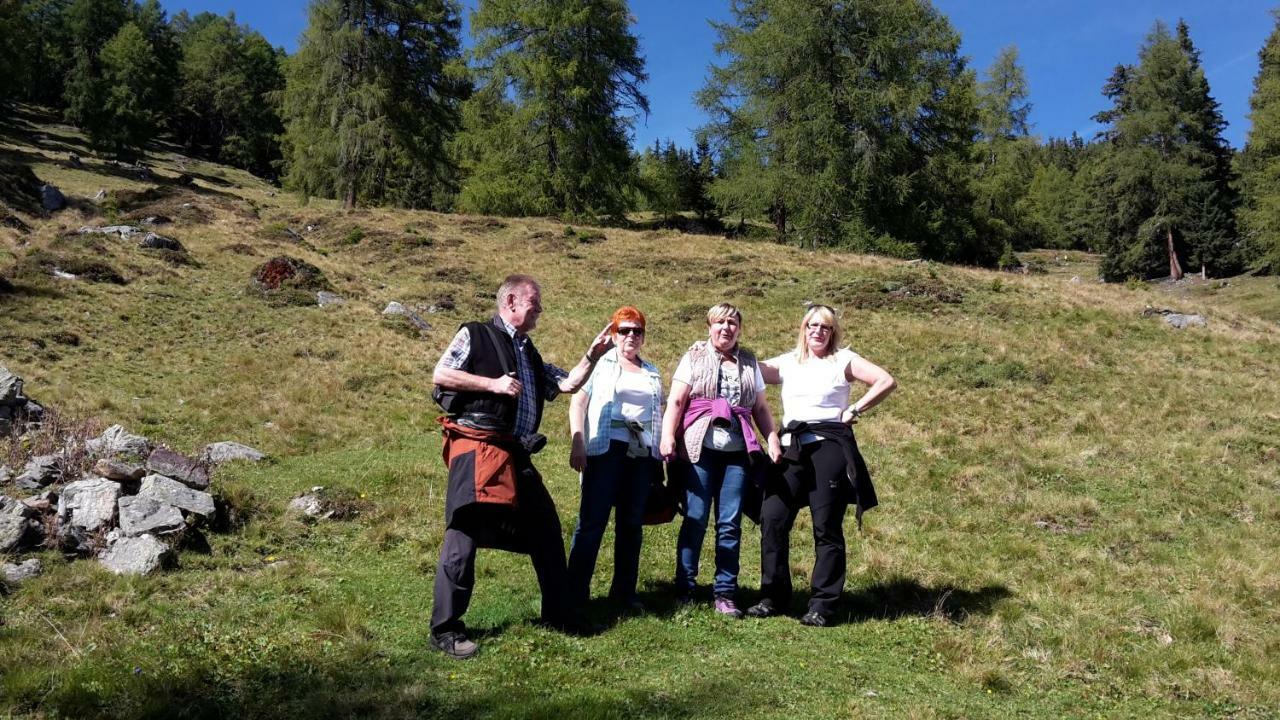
(130,71)
(1260,160)
(846,123)
(1167,172)
(1004,164)
(371,99)
(547,133)
(90,24)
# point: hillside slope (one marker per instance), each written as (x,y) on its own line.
(1079,503)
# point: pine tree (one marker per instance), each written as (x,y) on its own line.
(90,24)
(1260,160)
(846,124)
(371,99)
(1168,167)
(548,130)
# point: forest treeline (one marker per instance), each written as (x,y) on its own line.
(855,125)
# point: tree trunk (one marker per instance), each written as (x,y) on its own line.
(349,202)
(1175,270)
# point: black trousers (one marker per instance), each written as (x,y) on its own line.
(809,482)
(534,528)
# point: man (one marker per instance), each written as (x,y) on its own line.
(494,384)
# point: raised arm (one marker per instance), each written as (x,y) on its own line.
(580,372)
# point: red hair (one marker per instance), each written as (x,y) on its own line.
(628,314)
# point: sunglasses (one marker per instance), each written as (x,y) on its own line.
(630,330)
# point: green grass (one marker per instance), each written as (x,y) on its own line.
(1079,504)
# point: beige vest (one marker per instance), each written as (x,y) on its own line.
(704,382)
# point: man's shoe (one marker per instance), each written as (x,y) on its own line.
(454,644)
(762,609)
(726,606)
(814,619)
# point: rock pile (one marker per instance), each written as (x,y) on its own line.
(150,240)
(131,510)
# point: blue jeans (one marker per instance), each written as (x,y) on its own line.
(610,480)
(718,475)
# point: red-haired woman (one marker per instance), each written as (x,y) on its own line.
(615,421)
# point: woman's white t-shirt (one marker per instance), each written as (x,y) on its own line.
(632,397)
(815,390)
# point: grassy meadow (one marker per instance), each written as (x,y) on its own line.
(1079,504)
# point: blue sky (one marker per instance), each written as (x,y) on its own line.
(1067,47)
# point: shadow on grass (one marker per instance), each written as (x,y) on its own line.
(363,686)
(908,598)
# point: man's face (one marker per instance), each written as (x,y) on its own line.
(525,308)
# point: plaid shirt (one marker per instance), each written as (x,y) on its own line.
(459,350)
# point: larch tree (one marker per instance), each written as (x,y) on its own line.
(548,129)
(846,124)
(371,99)
(1004,157)
(1260,161)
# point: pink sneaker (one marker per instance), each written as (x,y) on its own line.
(726,606)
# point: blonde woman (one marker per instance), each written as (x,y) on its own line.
(821,467)
(716,392)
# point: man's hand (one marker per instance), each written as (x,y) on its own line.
(601,344)
(505,385)
(578,454)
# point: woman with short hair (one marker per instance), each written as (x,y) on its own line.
(716,392)
(821,468)
(615,422)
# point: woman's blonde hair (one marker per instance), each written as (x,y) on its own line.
(723,310)
(825,315)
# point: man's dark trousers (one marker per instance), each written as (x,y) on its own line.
(533,527)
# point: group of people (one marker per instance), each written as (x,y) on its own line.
(493,383)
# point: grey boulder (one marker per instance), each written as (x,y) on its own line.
(140,555)
(1181,321)
(140,514)
(227,451)
(115,440)
(185,470)
(89,504)
(51,198)
(124,231)
(156,241)
(10,387)
(15,524)
(171,492)
(324,298)
(16,573)
(40,471)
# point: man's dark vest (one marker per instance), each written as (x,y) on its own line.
(484,360)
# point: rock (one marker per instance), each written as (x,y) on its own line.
(51,198)
(76,540)
(324,298)
(168,463)
(140,555)
(1181,322)
(10,387)
(119,471)
(124,231)
(89,504)
(156,241)
(46,501)
(64,275)
(22,571)
(226,451)
(18,526)
(74,159)
(5,474)
(1075,280)
(186,180)
(100,195)
(115,440)
(40,471)
(157,220)
(172,492)
(394,308)
(310,505)
(141,514)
